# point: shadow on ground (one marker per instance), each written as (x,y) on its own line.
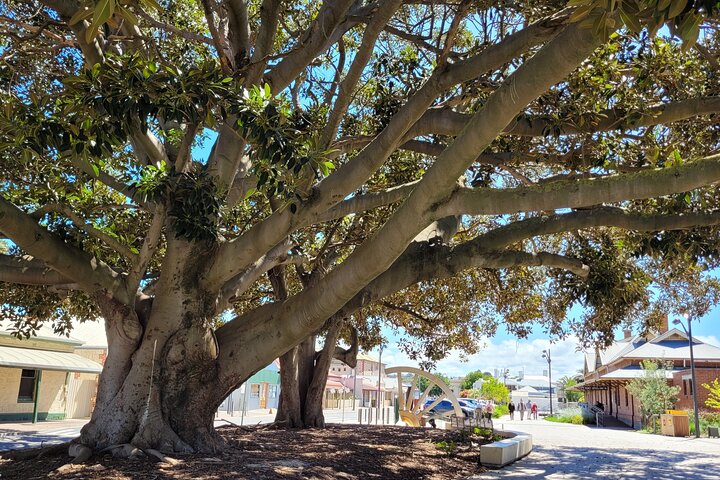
(583,463)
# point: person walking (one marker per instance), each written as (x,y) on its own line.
(528,408)
(521,409)
(489,409)
(511,409)
(534,410)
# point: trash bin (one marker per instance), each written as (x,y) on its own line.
(676,424)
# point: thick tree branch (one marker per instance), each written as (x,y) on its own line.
(347,86)
(239,30)
(583,193)
(70,262)
(87,228)
(24,271)
(348,355)
(516,232)
(445,121)
(314,41)
(349,177)
(280,255)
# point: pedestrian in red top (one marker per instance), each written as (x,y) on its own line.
(534,410)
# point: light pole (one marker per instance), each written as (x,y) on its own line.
(377,402)
(546,356)
(688,331)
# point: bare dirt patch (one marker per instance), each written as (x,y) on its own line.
(345,452)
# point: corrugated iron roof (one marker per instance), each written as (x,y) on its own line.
(15,357)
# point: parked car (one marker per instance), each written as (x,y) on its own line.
(446,407)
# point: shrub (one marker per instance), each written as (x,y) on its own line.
(500,410)
(568,415)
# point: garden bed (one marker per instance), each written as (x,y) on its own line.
(337,452)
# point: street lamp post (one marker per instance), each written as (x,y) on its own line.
(688,331)
(546,356)
(377,402)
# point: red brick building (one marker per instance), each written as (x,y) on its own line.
(607,372)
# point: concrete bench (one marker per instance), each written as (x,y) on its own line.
(514,446)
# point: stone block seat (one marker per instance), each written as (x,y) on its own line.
(514,446)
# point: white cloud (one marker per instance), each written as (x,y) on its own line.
(512,354)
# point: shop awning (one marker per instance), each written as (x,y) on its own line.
(14,357)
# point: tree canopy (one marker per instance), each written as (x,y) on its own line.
(223,180)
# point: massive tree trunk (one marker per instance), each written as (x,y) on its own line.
(159,387)
(305,376)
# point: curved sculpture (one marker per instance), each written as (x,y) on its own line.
(413,412)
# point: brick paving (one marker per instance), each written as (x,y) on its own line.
(564,452)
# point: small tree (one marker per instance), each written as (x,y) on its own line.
(493,389)
(713,400)
(571,395)
(473,377)
(652,389)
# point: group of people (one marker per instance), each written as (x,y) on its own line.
(528,407)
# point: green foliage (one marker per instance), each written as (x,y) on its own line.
(707,419)
(652,389)
(423,384)
(568,415)
(713,400)
(473,377)
(493,389)
(571,395)
(500,410)
(448,447)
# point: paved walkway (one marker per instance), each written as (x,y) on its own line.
(564,451)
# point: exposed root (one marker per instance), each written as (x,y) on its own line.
(124,450)
(80,453)
(162,457)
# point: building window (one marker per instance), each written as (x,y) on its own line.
(626,398)
(27,386)
(685,387)
(690,386)
(272,391)
(255,390)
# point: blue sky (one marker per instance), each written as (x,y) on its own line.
(506,351)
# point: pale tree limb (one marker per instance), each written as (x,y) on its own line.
(69,261)
(218,42)
(280,255)
(239,30)
(445,121)
(269,19)
(28,271)
(366,201)
(516,232)
(348,355)
(385,12)
(315,40)
(85,227)
(189,36)
(548,66)
(148,248)
(584,192)
(235,255)
(106,179)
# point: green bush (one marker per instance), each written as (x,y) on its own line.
(569,415)
(707,419)
(500,410)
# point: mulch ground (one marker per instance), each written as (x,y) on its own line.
(345,452)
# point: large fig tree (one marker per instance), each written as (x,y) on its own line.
(159,159)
